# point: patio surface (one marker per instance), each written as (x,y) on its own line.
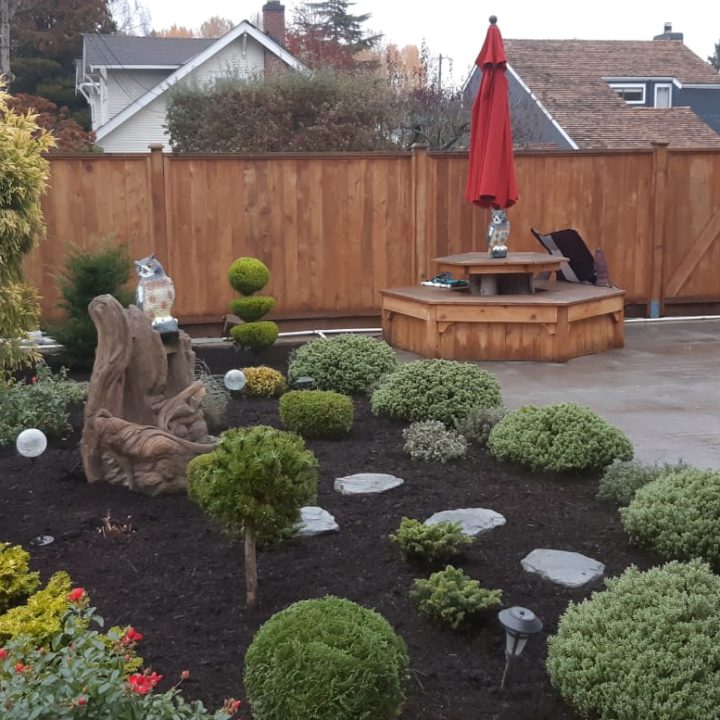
(662,389)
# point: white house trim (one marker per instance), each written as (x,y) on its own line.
(624,80)
(547,113)
(244,28)
(663,86)
(703,86)
(134,67)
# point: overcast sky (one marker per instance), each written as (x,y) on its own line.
(456,28)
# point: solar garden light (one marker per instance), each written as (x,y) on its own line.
(304,383)
(31,443)
(235,379)
(520,624)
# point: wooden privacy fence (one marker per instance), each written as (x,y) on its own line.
(335,229)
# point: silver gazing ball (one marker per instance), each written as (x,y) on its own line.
(235,380)
(31,443)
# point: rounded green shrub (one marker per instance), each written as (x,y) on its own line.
(432,543)
(450,597)
(431,441)
(250,309)
(348,364)
(678,515)
(563,438)
(257,474)
(16,580)
(443,390)
(264,381)
(255,335)
(477,425)
(326,659)
(623,478)
(317,413)
(647,647)
(248,275)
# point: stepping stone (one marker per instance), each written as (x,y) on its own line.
(315,521)
(570,569)
(474,521)
(366,483)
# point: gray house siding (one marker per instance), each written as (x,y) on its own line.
(704,102)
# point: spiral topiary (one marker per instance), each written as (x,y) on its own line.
(248,275)
(563,438)
(326,659)
(443,390)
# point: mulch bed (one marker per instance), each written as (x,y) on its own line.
(180,582)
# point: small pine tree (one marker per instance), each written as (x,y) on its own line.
(23,178)
(87,274)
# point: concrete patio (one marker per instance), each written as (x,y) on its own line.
(662,388)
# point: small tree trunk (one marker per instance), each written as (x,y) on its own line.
(250,567)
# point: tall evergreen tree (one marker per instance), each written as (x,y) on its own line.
(714,60)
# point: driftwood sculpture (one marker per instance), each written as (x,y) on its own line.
(143,420)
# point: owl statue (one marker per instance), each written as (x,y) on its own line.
(155,294)
(498,233)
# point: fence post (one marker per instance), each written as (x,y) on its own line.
(420,204)
(157,186)
(659,195)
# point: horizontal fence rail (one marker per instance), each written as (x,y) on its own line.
(335,229)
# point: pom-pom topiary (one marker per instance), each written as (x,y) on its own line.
(563,438)
(247,275)
(255,335)
(647,647)
(433,543)
(16,580)
(250,309)
(449,597)
(435,390)
(623,478)
(348,364)
(256,480)
(678,515)
(317,413)
(431,441)
(326,659)
(264,381)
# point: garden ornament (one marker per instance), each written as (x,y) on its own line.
(31,443)
(143,415)
(235,380)
(498,233)
(155,294)
(520,624)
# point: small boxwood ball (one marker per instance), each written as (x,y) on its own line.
(317,413)
(264,381)
(252,308)
(248,275)
(326,659)
(255,335)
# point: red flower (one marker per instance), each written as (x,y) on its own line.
(131,636)
(33,380)
(231,706)
(3,653)
(76,595)
(21,668)
(142,684)
(81,701)
(185,674)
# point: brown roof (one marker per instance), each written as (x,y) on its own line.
(567,77)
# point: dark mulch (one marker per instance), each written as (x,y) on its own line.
(180,582)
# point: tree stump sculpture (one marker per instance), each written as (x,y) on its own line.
(143,420)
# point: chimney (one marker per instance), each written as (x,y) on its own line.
(274,20)
(668,34)
(274,26)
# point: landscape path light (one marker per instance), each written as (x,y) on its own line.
(31,443)
(235,379)
(520,624)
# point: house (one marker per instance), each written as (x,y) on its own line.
(602,94)
(126,80)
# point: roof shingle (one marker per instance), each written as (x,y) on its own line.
(131,51)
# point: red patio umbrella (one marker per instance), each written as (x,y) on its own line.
(491,170)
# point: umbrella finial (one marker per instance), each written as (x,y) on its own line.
(493,19)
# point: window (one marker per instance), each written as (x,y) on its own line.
(632,94)
(663,95)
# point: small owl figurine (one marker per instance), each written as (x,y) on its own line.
(498,233)
(155,294)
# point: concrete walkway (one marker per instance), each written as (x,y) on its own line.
(662,389)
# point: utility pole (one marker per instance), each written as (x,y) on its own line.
(7,10)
